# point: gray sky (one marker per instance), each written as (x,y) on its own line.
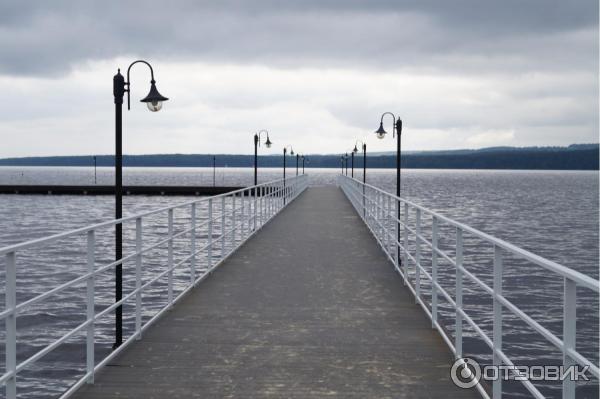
(316,74)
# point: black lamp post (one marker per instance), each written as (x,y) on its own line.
(154,102)
(297,159)
(256,144)
(346,162)
(364,150)
(284,154)
(303,159)
(352,155)
(396,129)
(342,162)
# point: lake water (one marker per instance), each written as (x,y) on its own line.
(551,213)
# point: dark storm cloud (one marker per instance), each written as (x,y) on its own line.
(49,38)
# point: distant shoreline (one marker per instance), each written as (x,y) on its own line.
(574,157)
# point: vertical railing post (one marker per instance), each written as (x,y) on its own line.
(249,223)
(434,271)
(233,223)
(458,293)
(11,325)
(569,334)
(388,215)
(223,227)
(364,199)
(91,249)
(282,197)
(382,213)
(418,258)
(369,207)
(138,277)
(370,199)
(243,221)
(209,234)
(262,204)
(193,246)
(269,201)
(378,213)
(256,200)
(497,327)
(405,252)
(170,259)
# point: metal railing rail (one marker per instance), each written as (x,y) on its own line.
(379,210)
(227,226)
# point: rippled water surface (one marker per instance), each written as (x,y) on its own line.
(553,214)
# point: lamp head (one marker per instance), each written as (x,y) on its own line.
(355,150)
(154,99)
(381,131)
(292,151)
(268,142)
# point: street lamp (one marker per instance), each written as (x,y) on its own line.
(256,144)
(154,102)
(396,129)
(364,150)
(303,159)
(346,162)
(352,151)
(284,153)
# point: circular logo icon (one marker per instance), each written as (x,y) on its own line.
(465,373)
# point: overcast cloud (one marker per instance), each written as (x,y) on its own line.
(316,74)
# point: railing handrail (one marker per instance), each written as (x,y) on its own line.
(42,241)
(578,277)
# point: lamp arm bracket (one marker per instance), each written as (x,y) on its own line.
(127,82)
(393,123)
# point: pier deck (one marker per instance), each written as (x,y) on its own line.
(307,308)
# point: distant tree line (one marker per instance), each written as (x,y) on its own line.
(578,157)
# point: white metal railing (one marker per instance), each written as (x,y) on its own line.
(228,221)
(387,217)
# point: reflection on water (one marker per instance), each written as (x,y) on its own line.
(551,213)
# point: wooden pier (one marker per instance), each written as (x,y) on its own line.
(308,308)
